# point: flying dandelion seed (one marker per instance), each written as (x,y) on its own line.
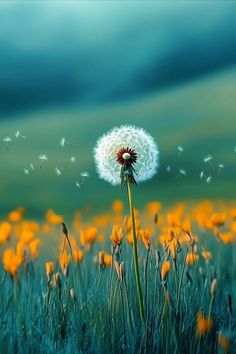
(72,159)
(42,158)
(209,179)
(84,175)
(19,135)
(220,166)
(31,166)
(7,140)
(202,175)
(26,171)
(235,149)
(180,149)
(62,142)
(58,172)
(208,159)
(168,169)
(77,184)
(182,172)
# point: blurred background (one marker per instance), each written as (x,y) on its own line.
(75,69)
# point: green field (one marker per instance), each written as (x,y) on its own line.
(199,115)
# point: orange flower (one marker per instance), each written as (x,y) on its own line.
(117,206)
(186,226)
(207,256)
(218,219)
(11,261)
(165,268)
(154,207)
(107,259)
(78,255)
(33,246)
(191,258)
(233,227)
(226,237)
(5,231)
(88,236)
(16,215)
(128,224)
(49,268)
(223,342)
(26,236)
(53,218)
(204,324)
(116,235)
(145,234)
(65,260)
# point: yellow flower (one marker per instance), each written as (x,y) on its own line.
(5,231)
(78,255)
(33,246)
(207,256)
(204,324)
(226,237)
(49,268)
(191,258)
(11,261)
(116,235)
(88,236)
(145,234)
(165,268)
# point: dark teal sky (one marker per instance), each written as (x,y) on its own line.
(90,52)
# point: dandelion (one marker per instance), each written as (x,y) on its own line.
(208,159)
(19,135)
(221,166)
(209,179)
(128,155)
(58,172)
(182,172)
(7,140)
(180,149)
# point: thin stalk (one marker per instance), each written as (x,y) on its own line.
(135,252)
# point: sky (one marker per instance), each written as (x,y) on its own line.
(87,53)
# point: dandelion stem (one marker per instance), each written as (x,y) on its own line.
(135,251)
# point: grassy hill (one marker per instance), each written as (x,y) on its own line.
(199,115)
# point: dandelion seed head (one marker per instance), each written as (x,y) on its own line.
(138,140)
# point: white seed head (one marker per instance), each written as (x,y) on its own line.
(121,137)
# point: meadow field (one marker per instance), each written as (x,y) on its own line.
(72,289)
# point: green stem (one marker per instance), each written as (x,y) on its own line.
(135,252)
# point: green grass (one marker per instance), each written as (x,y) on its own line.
(199,115)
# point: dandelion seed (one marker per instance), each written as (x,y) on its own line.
(77,184)
(202,175)
(180,149)
(26,171)
(208,159)
(181,172)
(235,149)
(221,166)
(7,140)
(72,159)
(84,174)
(58,172)
(31,166)
(168,168)
(62,142)
(209,179)
(19,135)
(42,158)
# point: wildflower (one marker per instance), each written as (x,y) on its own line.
(5,231)
(145,234)
(53,218)
(65,260)
(126,146)
(117,235)
(78,255)
(88,237)
(33,246)
(223,342)
(226,237)
(218,219)
(191,258)
(165,268)
(11,261)
(204,324)
(154,207)
(49,269)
